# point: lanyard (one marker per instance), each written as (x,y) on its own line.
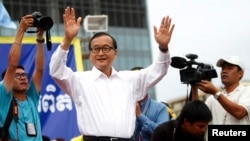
(14,109)
(15,114)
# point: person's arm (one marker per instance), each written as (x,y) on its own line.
(39,61)
(158,69)
(15,51)
(59,71)
(236,110)
(194,92)
(160,116)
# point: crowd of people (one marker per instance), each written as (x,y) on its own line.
(105,97)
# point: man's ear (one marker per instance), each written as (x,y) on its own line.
(241,73)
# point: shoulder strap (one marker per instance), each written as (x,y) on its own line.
(170,110)
(9,116)
(175,122)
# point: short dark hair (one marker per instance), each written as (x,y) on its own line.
(18,67)
(98,34)
(195,111)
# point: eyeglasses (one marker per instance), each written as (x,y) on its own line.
(105,49)
(21,75)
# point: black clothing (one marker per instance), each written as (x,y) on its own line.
(94,138)
(170,131)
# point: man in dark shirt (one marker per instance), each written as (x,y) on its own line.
(190,125)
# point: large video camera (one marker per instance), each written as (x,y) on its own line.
(190,74)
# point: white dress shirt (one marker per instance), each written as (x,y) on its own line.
(106,106)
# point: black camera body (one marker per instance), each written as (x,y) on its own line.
(41,21)
(190,74)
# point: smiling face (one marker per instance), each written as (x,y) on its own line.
(103,59)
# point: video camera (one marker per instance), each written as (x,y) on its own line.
(190,74)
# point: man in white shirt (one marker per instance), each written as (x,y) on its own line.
(231,105)
(105,99)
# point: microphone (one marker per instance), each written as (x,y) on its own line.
(178,62)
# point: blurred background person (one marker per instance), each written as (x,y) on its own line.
(190,125)
(149,114)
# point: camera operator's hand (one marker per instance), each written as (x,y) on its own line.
(194,91)
(163,35)
(207,87)
(71,27)
(26,22)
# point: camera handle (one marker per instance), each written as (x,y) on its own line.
(189,94)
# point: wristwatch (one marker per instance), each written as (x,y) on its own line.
(163,49)
(217,95)
(40,40)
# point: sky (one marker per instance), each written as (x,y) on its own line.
(209,28)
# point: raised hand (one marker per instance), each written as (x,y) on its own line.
(163,35)
(71,25)
(26,22)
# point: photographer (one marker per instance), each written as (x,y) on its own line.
(17,94)
(231,105)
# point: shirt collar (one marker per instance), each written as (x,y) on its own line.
(238,88)
(97,73)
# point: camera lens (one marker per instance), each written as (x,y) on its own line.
(42,21)
(45,23)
